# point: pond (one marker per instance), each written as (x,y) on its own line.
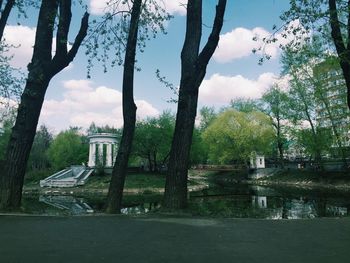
(239,201)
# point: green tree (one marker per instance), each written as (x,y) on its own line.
(328,19)
(207,116)
(68,148)
(311,145)
(244,105)
(6,125)
(38,159)
(234,136)
(153,140)
(275,104)
(308,94)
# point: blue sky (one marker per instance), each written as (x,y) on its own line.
(233,72)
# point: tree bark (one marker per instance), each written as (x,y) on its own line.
(116,187)
(5,15)
(279,140)
(193,69)
(41,70)
(343,50)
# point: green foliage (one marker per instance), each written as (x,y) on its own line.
(207,116)
(152,140)
(199,149)
(244,105)
(275,103)
(93,128)
(38,159)
(68,148)
(5,133)
(314,144)
(234,135)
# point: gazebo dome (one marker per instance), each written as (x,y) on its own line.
(103,148)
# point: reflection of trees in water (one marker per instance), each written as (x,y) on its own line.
(244,203)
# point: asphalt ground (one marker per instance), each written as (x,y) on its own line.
(172,239)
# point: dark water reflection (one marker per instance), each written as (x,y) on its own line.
(245,201)
(242,201)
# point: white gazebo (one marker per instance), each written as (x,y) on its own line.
(103,149)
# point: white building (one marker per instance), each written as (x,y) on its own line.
(103,150)
(257,161)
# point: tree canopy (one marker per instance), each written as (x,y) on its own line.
(234,135)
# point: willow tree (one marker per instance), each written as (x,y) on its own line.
(125,27)
(193,69)
(234,136)
(42,68)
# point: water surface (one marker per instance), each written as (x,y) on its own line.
(239,201)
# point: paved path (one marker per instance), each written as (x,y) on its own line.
(171,239)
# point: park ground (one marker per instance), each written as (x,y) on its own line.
(145,183)
(170,238)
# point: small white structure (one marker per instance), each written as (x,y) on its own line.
(103,149)
(259,201)
(257,161)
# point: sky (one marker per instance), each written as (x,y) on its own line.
(74,100)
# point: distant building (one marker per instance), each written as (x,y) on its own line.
(332,107)
(257,162)
(102,150)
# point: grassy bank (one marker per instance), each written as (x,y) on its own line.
(300,178)
(134,183)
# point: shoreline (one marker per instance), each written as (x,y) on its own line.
(283,178)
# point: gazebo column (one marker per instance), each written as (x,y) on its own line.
(100,154)
(92,155)
(109,155)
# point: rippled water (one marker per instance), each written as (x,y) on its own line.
(242,201)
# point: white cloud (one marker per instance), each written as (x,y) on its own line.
(219,90)
(239,42)
(83,102)
(175,6)
(98,7)
(22,39)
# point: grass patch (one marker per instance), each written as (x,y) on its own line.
(32,178)
(137,180)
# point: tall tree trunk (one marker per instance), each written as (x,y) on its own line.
(5,15)
(41,70)
(193,69)
(279,142)
(156,168)
(150,163)
(343,50)
(116,187)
